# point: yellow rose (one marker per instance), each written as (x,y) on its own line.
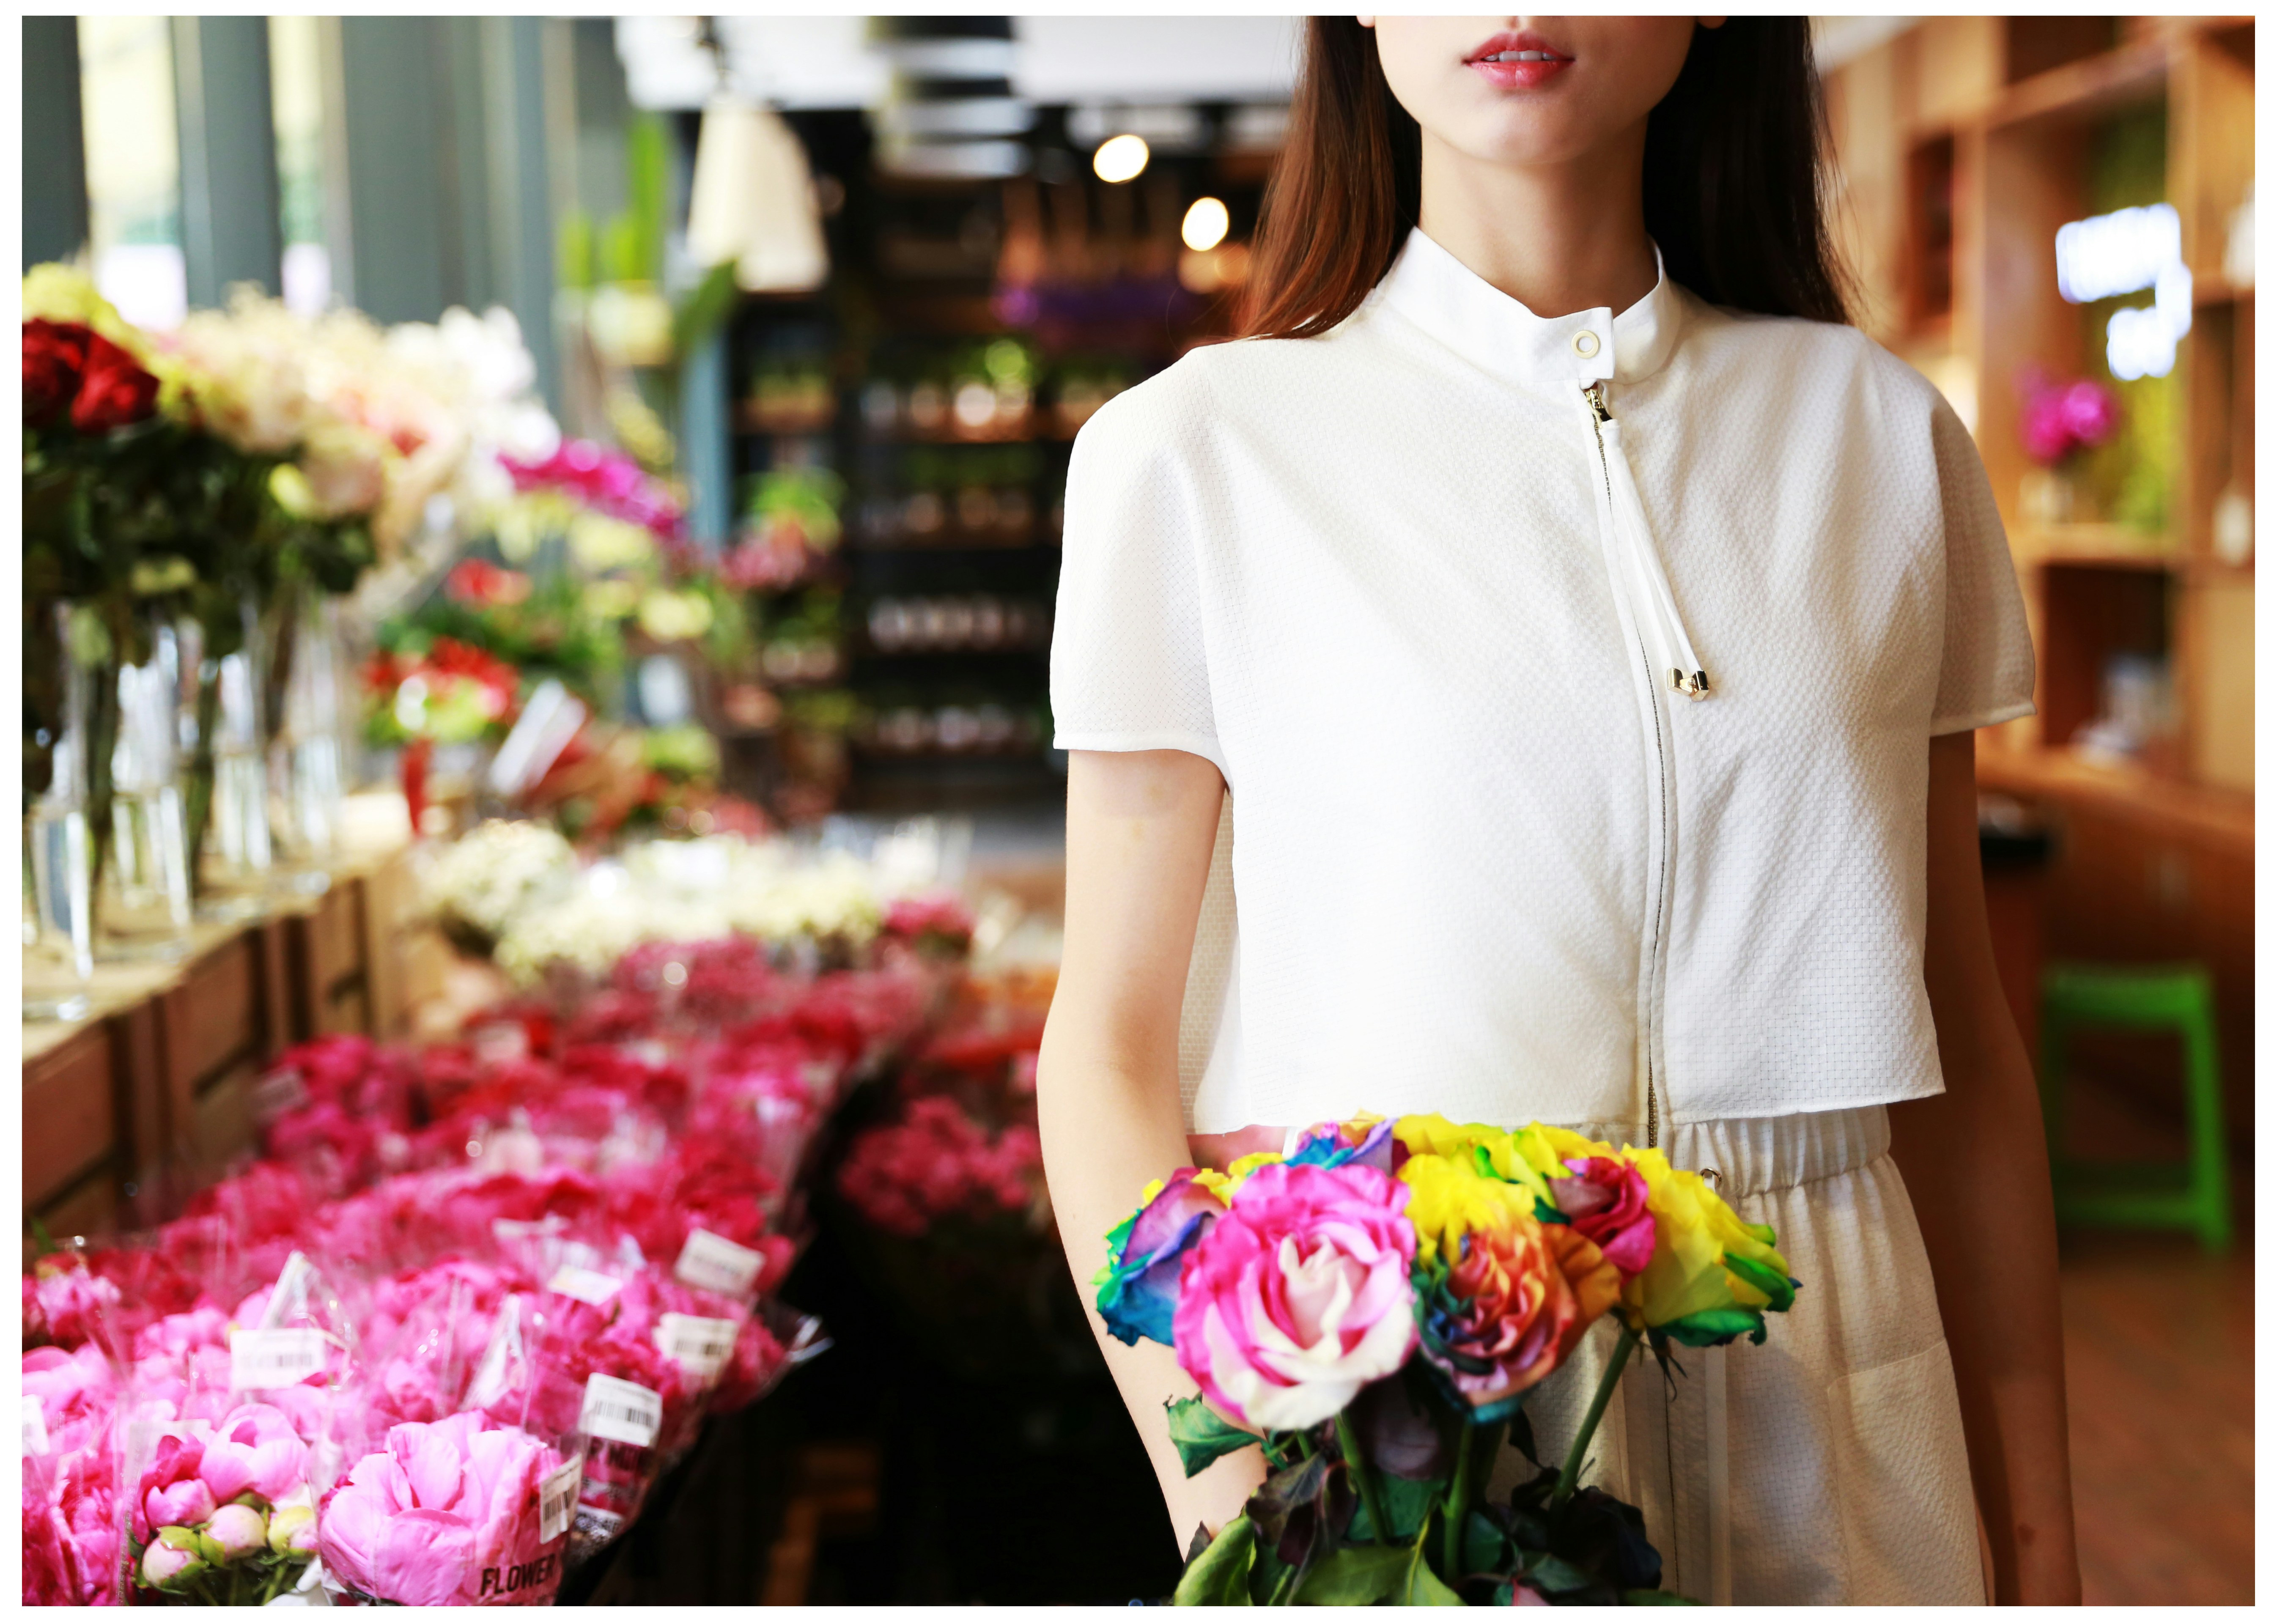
(1711,1277)
(1449,1198)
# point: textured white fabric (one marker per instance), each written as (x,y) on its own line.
(1847,1472)
(1485,865)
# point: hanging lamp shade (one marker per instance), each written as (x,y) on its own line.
(752,201)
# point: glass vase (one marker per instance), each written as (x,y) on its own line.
(242,858)
(144,907)
(306,756)
(59,936)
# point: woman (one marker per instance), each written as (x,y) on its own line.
(1483,701)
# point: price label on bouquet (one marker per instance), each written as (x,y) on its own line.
(712,1262)
(279,1092)
(35,1426)
(699,1345)
(557,1500)
(623,1412)
(285,1357)
(587,1285)
(501,1042)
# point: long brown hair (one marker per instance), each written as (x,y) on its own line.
(1734,179)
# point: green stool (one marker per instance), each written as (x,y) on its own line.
(2194,1195)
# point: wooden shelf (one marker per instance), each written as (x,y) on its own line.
(2102,546)
(2173,807)
(2082,91)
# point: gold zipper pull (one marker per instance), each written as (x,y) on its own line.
(1594,393)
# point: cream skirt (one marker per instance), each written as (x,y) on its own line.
(1826,1465)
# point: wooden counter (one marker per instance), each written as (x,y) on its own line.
(2146,870)
(154,1086)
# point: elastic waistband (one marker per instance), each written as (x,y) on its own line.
(1758,1154)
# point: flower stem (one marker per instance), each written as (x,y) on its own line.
(1459,1506)
(1580,1451)
(1280,1597)
(1363,1479)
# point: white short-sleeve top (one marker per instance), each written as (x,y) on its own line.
(1479,857)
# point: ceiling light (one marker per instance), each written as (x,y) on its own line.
(1205,225)
(1120,158)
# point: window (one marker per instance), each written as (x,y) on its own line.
(134,167)
(297,104)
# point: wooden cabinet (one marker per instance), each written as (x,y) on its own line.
(154,1088)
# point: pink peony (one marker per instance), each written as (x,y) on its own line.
(445,1515)
(1299,1296)
(66,1302)
(172,1493)
(255,1449)
(77,1394)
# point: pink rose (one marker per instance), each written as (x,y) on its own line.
(1299,1296)
(1605,1200)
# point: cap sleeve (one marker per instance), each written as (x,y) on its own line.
(1985,673)
(1127,665)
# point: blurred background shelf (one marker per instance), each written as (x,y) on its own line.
(1965,143)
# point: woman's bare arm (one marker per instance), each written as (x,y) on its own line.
(1140,826)
(1975,1160)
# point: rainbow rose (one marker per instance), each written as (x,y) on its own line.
(1713,1277)
(1366,1140)
(1298,1294)
(1139,1287)
(1506,1295)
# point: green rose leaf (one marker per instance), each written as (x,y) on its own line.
(1355,1576)
(1422,1587)
(1407,1502)
(1555,1575)
(1220,1576)
(1201,1435)
(1485,1548)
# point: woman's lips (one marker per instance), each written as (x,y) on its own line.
(1516,62)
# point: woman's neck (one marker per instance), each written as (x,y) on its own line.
(1557,237)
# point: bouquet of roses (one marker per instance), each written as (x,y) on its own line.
(1373,1308)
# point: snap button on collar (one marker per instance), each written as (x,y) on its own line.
(1585,344)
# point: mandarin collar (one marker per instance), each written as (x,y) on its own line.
(1469,315)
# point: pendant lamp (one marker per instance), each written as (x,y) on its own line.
(753,202)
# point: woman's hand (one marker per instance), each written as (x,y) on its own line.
(1141,827)
(1975,1162)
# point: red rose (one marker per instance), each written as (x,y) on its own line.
(53,355)
(114,391)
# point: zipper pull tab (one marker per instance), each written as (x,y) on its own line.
(1658,604)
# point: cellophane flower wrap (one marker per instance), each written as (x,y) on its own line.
(405,1230)
(448,1514)
(233,1425)
(1371,1309)
(71,1522)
